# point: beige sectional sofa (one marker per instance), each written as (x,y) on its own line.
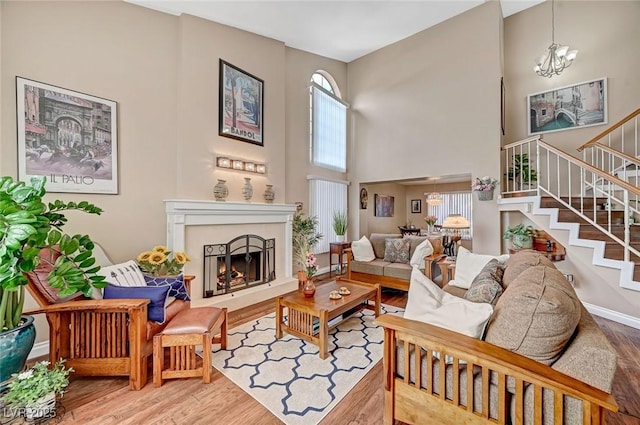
(389,274)
(543,360)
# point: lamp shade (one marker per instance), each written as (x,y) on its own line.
(455,221)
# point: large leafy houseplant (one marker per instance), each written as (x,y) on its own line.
(305,237)
(521,236)
(28,225)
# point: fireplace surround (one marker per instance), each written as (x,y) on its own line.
(191,224)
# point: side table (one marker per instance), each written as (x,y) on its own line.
(338,249)
(447,269)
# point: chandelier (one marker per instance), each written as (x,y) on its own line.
(434,198)
(557,57)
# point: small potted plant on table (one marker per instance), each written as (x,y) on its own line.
(521,236)
(340,223)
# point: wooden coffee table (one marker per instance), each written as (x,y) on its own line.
(308,318)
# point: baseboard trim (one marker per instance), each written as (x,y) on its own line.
(39,349)
(622,318)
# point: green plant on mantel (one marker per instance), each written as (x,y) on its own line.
(28,225)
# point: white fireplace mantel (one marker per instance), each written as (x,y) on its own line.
(182,213)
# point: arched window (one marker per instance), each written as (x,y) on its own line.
(328,115)
(328,123)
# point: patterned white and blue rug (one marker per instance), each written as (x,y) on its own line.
(288,377)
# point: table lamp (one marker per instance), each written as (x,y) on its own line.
(455,222)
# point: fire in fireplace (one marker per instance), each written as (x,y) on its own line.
(244,262)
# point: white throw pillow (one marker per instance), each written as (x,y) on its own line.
(124,274)
(429,304)
(362,250)
(424,249)
(469,265)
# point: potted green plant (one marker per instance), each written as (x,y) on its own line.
(28,225)
(521,236)
(521,172)
(340,223)
(305,237)
(34,391)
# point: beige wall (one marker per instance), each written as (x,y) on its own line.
(606,33)
(430,105)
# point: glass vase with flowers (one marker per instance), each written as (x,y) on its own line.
(311,268)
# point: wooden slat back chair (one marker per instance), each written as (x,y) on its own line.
(99,337)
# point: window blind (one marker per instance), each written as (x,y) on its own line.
(329,141)
(326,197)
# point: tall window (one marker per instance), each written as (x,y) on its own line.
(328,125)
(326,196)
(455,203)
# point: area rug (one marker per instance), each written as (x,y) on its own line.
(288,377)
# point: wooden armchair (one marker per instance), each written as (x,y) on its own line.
(100,337)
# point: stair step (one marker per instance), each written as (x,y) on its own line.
(602,217)
(587,231)
(613,250)
(588,203)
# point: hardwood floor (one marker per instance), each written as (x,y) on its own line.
(108,401)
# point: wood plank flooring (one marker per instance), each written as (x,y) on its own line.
(108,401)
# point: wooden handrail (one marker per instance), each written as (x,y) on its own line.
(609,130)
(522,142)
(623,184)
(616,152)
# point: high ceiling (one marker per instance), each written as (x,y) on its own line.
(342,30)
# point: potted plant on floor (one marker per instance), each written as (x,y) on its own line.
(33,392)
(305,238)
(521,236)
(28,225)
(340,223)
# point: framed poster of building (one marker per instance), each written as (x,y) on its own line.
(241,105)
(67,136)
(566,108)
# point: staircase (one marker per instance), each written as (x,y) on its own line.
(593,198)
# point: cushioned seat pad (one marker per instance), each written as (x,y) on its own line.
(193,321)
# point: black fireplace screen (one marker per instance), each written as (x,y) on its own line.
(243,262)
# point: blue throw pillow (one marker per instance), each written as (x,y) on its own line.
(178,289)
(156,294)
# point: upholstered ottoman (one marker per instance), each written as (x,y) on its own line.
(188,329)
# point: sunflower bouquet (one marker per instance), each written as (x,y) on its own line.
(160,261)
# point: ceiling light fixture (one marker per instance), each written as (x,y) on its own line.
(557,57)
(434,198)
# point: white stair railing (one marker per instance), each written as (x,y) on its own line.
(562,177)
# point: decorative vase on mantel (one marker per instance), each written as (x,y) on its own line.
(309,289)
(269,195)
(220,191)
(247,189)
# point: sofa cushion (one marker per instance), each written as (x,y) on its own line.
(418,253)
(123,274)
(469,265)
(362,250)
(370,267)
(398,270)
(536,316)
(378,242)
(521,261)
(427,303)
(487,286)
(396,250)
